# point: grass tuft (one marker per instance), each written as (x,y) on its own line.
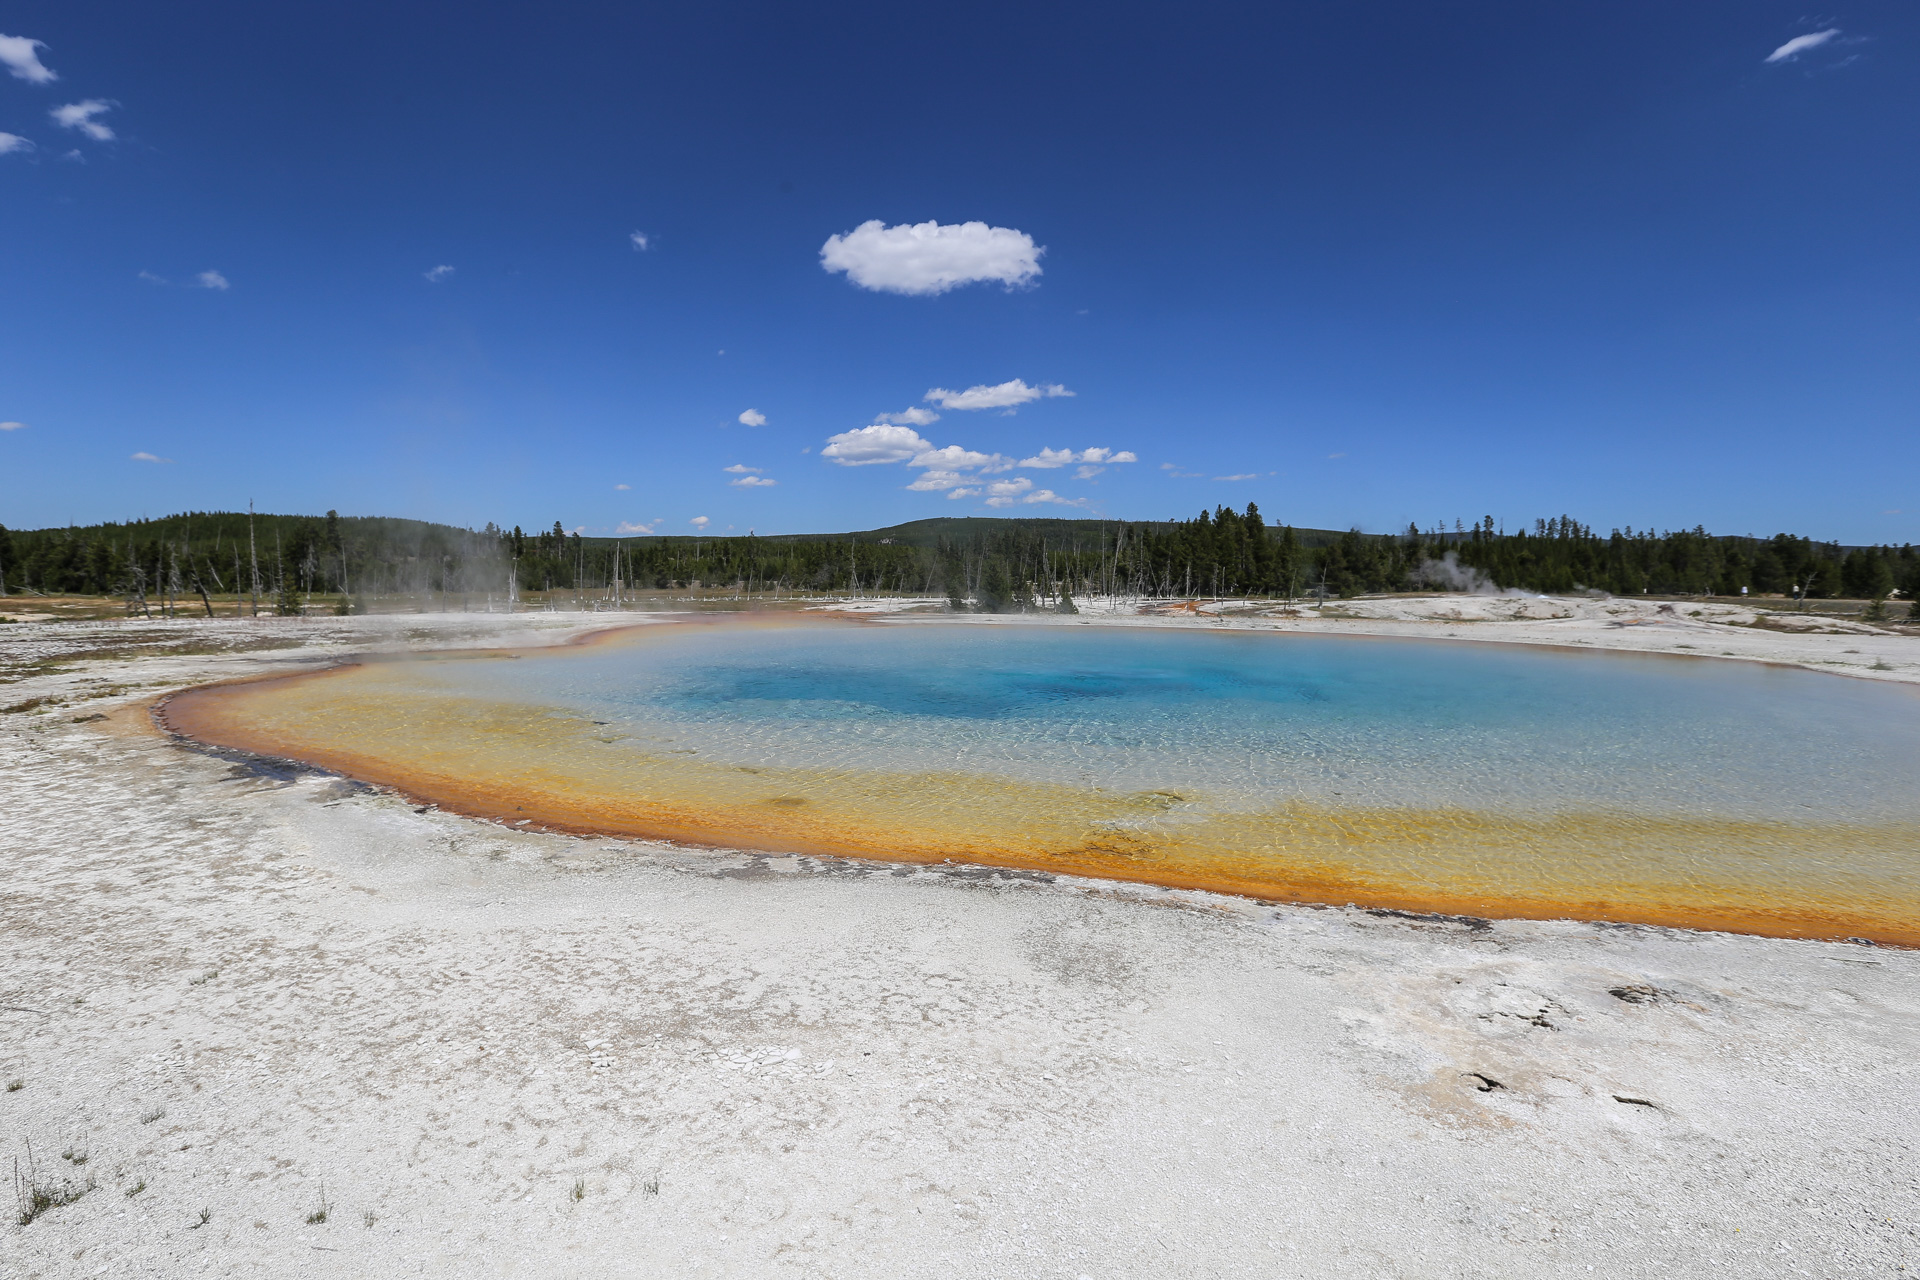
(318,1213)
(579,1189)
(35,1193)
(202,1219)
(136,1188)
(16,1084)
(148,1117)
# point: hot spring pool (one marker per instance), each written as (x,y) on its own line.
(1427,775)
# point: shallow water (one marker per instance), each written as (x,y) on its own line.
(1492,779)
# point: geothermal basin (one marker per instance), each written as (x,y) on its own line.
(1420,775)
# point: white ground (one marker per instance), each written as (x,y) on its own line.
(492,1053)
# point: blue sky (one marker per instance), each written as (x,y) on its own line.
(1363,264)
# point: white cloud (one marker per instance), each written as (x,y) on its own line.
(753,418)
(1004,396)
(1047,459)
(150,278)
(1009,488)
(700,522)
(144,456)
(13,142)
(953,458)
(739,470)
(1801,44)
(622,488)
(13,426)
(434,275)
(752,482)
(928,258)
(1048,495)
(628,527)
(964,493)
(1245,475)
(212,280)
(1087,473)
(21,56)
(914,417)
(936,481)
(80,115)
(881,442)
(639,241)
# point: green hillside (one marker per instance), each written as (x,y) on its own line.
(992,562)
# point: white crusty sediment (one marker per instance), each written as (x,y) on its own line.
(492,1052)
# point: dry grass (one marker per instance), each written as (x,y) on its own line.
(35,1193)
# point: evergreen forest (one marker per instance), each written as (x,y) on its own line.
(283,563)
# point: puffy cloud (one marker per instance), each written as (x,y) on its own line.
(628,527)
(881,442)
(964,493)
(13,142)
(212,280)
(639,241)
(1801,44)
(21,57)
(144,456)
(1047,459)
(1020,492)
(13,426)
(80,115)
(1004,396)
(753,418)
(928,258)
(953,458)
(752,482)
(935,481)
(739,470)
(434,275)
(1087,473)
(700,522)
(914,417)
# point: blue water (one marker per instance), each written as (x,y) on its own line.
(1242,720)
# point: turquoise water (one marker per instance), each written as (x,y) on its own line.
(1234,721)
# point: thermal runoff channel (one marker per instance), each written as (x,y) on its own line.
(1414,774)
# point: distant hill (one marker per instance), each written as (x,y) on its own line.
(1068,535)
(988,561)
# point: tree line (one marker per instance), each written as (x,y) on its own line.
(282,562)
(272,562)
